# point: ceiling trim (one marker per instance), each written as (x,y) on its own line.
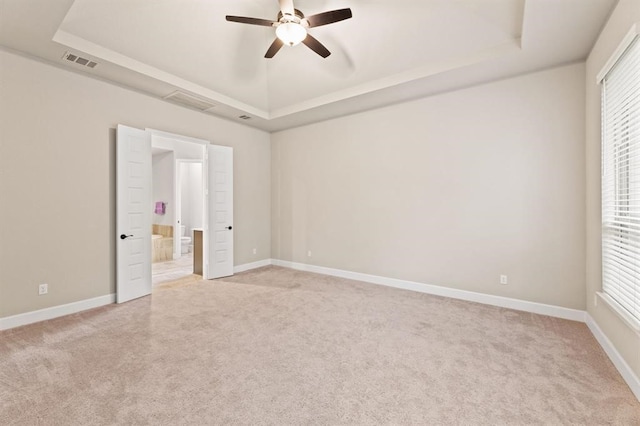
(394,80)
(81,44)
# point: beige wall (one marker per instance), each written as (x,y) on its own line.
(451,190)
(57,176)
(162,178)
(626,341)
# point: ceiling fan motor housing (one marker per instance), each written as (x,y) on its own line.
(298,17)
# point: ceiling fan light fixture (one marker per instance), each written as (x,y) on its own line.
(291,27)
(291,33)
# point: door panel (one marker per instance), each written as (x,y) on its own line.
(133,217)
(220,241)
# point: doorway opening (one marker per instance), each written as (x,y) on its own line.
(141,212)
(178,192)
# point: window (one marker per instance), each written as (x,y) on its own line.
(621,177)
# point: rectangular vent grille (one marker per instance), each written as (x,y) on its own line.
(187,99)
(244,117)
(79,60)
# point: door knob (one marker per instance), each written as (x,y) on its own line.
(124,237)
(229,228)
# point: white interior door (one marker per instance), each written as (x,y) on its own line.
(220,224)
(133,217)
(177,201)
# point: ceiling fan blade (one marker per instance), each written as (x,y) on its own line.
(329,17)
(252,21)
(273,49)
(286,7)
(316,46)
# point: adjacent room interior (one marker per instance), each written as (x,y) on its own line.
(417,213)
(178,208)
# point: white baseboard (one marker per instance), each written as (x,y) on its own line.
(72,308)
(55,312)
(487,299)
(621,365)
(252,265)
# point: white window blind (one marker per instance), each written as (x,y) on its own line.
(621,180)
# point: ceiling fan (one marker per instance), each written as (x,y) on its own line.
(291,27)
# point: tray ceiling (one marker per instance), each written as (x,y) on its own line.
(388,52)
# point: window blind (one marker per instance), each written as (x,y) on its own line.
(621,180)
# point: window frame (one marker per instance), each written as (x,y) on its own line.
(624,179)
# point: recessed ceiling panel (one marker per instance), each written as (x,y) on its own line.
(389,51)
(193,41)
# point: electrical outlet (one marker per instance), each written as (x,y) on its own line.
(43,289)
(309,253)
(503,280)
(255,251)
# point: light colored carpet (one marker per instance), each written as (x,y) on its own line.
(278,346)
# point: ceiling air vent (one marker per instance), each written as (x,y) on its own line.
(79,60)
(192,101)
(244,117)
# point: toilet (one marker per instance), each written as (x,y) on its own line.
(185,241)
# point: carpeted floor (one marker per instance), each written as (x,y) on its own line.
(278,346)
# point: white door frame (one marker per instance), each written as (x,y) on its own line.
(206,234)
(181,138)
(177,245)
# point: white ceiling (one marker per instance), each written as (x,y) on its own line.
(390,51)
